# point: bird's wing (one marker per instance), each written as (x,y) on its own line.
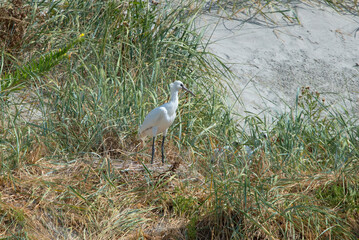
(152,119)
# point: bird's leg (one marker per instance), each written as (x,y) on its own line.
(154,133)
(163,155)
(153,149)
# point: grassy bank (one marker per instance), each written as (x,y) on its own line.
(74,90)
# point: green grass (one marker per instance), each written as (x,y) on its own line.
(72,166)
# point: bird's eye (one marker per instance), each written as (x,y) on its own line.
(181,85)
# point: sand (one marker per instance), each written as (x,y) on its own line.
(272,61)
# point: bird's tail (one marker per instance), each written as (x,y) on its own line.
(140,133)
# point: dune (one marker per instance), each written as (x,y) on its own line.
(272,60)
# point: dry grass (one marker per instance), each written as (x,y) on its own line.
(97,198)
(13,25)
(106,198)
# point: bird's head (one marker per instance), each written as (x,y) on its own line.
(178,85)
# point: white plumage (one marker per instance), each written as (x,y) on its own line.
(162,117)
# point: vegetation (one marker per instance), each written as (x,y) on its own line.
(72,166)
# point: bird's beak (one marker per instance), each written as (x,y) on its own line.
(184,88)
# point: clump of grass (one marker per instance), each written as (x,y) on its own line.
(16,79)
(13,25)
(284,189)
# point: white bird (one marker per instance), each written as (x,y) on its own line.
(162,117)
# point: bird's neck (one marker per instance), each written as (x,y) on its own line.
(174,98)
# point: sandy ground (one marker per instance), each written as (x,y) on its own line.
(272,61)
